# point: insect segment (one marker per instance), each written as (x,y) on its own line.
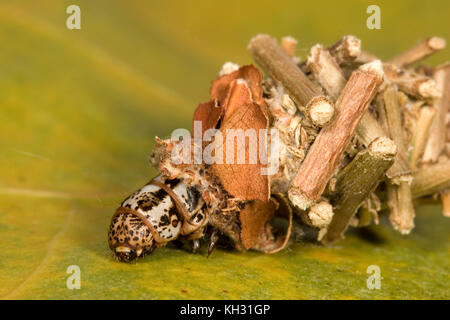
(161,211)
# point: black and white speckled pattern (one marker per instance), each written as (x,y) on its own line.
(157,206)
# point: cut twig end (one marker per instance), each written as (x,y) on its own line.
(257,39)
(383,147)
(353,45)
(289,45)
(319,215)
(346,50)
(374,67)
(404,226)
(428,89)
(320,110)
(437,43)
(299,199)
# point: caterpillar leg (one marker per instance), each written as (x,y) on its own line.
(213,240)
(195,245)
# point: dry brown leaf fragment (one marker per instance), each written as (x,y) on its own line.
(250,74)
(244,84)
(237,103)
(209,113)
(244,179)
(254,217)
(238,95)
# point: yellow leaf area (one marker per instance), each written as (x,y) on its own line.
(78,113)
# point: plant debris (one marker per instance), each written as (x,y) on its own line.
(356,138)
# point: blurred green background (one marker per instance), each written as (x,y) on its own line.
(79,110)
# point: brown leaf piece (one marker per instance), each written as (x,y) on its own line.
(238,95)
(254,217)
(250,74)
(237,103)
(209,113)
(244,181)
(257,233)
(223,94)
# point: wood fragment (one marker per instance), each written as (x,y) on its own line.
(267,53)
(399,196)
(352,190)
(319,215)
(401,207)
(393,119)
(326,71)
(431,179)
(289,45)
(346,50)
(419,86)
(329,145)
(329,75)
(421,134)
(419,52)
(436,142)
(369,129)
(400,171)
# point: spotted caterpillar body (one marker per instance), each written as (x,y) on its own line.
(160,212)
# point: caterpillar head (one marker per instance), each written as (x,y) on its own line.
(129,237)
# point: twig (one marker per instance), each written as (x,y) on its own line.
(391,117)
(430,180)
(421,133)
(266,52)
(356,181)
(326,71)
(289,44)
(419,52)
(410,82)
(329,145)
(400,171)
(436,142)
(401,207)
(319,215)
(368,130)
(329,75)
(346,50)
(399,196)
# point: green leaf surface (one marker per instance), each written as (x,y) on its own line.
(78,113)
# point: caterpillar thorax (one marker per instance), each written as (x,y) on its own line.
(161,211)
